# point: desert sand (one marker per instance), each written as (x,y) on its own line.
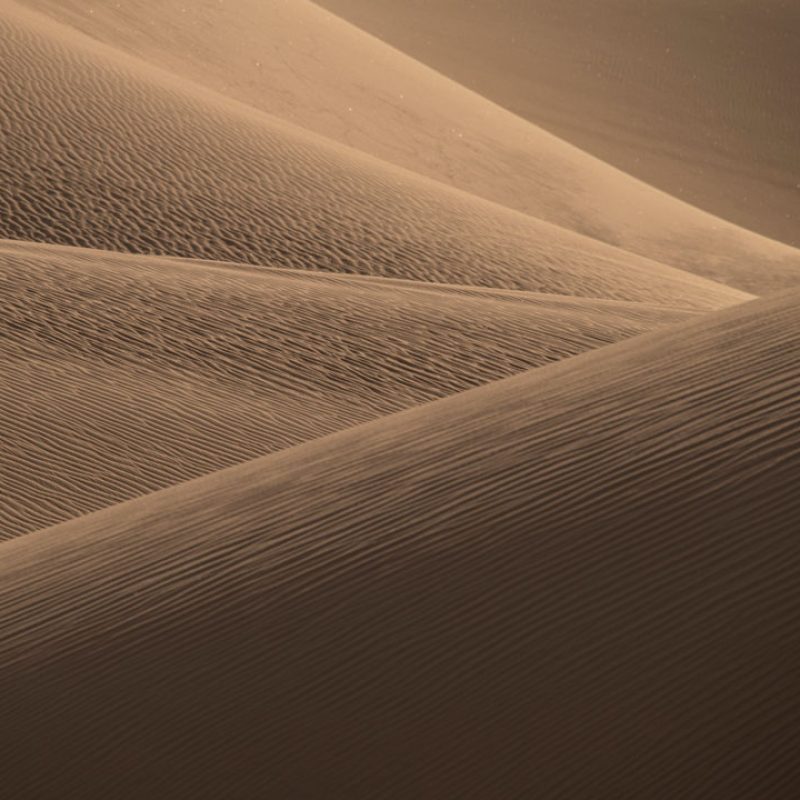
(154,164)
(297,63)
(360,438)
(688,95)
(170,369)
(523,590)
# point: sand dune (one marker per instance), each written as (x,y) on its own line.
(303,64)
(689,96)
(120,375)
(521,591)
(107,153)
(360,439)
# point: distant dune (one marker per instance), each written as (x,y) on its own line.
(298,62)
(579,582)
(108,153)
(689,95)
(126,374)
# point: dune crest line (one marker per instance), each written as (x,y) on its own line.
(301,63)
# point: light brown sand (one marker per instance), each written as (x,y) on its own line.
(106,153)
(522,591)
(120,375)
(345,507)
(298,62)
(692,96)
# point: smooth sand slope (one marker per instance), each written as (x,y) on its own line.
(104,152)
(122,374)
(688,95)
(297,61)
(579,582)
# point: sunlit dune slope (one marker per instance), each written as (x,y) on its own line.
(122,374)
(297,61)
(578,582)
(689,95)
(105,152)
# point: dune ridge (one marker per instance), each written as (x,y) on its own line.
(301,63)
(470,598)
(688,96)
(124,374)
(145,162)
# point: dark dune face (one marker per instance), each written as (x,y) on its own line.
(521,591)
(690,96)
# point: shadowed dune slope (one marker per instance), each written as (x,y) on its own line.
(297,61)
(690,96)
(124,374)
(579,582)
(104,152)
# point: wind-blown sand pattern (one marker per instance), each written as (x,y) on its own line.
(242,187)
(166,370)
(464,600)
(405,451)
(300,63)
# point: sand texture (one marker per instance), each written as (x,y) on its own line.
(165,370)
(524,559)
(241,179)
(149,165)
(360,438)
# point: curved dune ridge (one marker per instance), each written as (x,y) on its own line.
(301,63)
(689,96)
(121,374)
(107,153)
(520,591)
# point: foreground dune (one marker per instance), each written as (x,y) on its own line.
(578,582)
(108,153)
(689,96)
(120,374)
(303,64)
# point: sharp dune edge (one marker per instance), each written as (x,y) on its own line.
(521,591)
(164,370)
(301,63)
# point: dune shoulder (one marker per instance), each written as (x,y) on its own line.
(520,590)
